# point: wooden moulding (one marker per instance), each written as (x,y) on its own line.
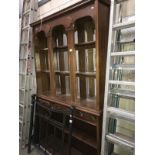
(61,48)
(66,19)
(87,45)
(66,101)
(62,73)
(86,74)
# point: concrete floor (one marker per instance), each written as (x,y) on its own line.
(37,151)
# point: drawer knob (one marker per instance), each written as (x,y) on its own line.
(70,50)
(70,121)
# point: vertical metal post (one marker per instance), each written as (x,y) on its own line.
(63,133)
(31,122)
(70,130)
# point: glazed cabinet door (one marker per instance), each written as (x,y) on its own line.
(42,63)
(85,58)
(61,61)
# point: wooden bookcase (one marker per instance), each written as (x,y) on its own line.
(70,53)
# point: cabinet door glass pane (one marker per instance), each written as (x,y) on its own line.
(85,53)
(42,64)
(61,61)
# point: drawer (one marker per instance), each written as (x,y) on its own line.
(43,107)
(50,104)
(44,103)
(89,118)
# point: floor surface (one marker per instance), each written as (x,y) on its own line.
(37,151)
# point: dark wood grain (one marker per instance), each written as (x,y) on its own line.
(84,17)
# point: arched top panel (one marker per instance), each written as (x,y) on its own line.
(41,39)
(59,36)
(87,20)
(85,30)
(58,29)
(41,35)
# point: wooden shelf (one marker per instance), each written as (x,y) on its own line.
(86,121)
(61,48)
(62,72)
(88,102)
(88,74)
(87,45)
(48,147)
(84,137)
(44,49)
(63,100)
(45,71)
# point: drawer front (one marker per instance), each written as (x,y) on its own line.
(83,116)
(50,104)
(43,107)
(86,117)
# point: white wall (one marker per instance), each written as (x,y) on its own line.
(53,6)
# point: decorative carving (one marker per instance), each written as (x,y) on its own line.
(70,27)
(48,34)
(47,29)
(68,21)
